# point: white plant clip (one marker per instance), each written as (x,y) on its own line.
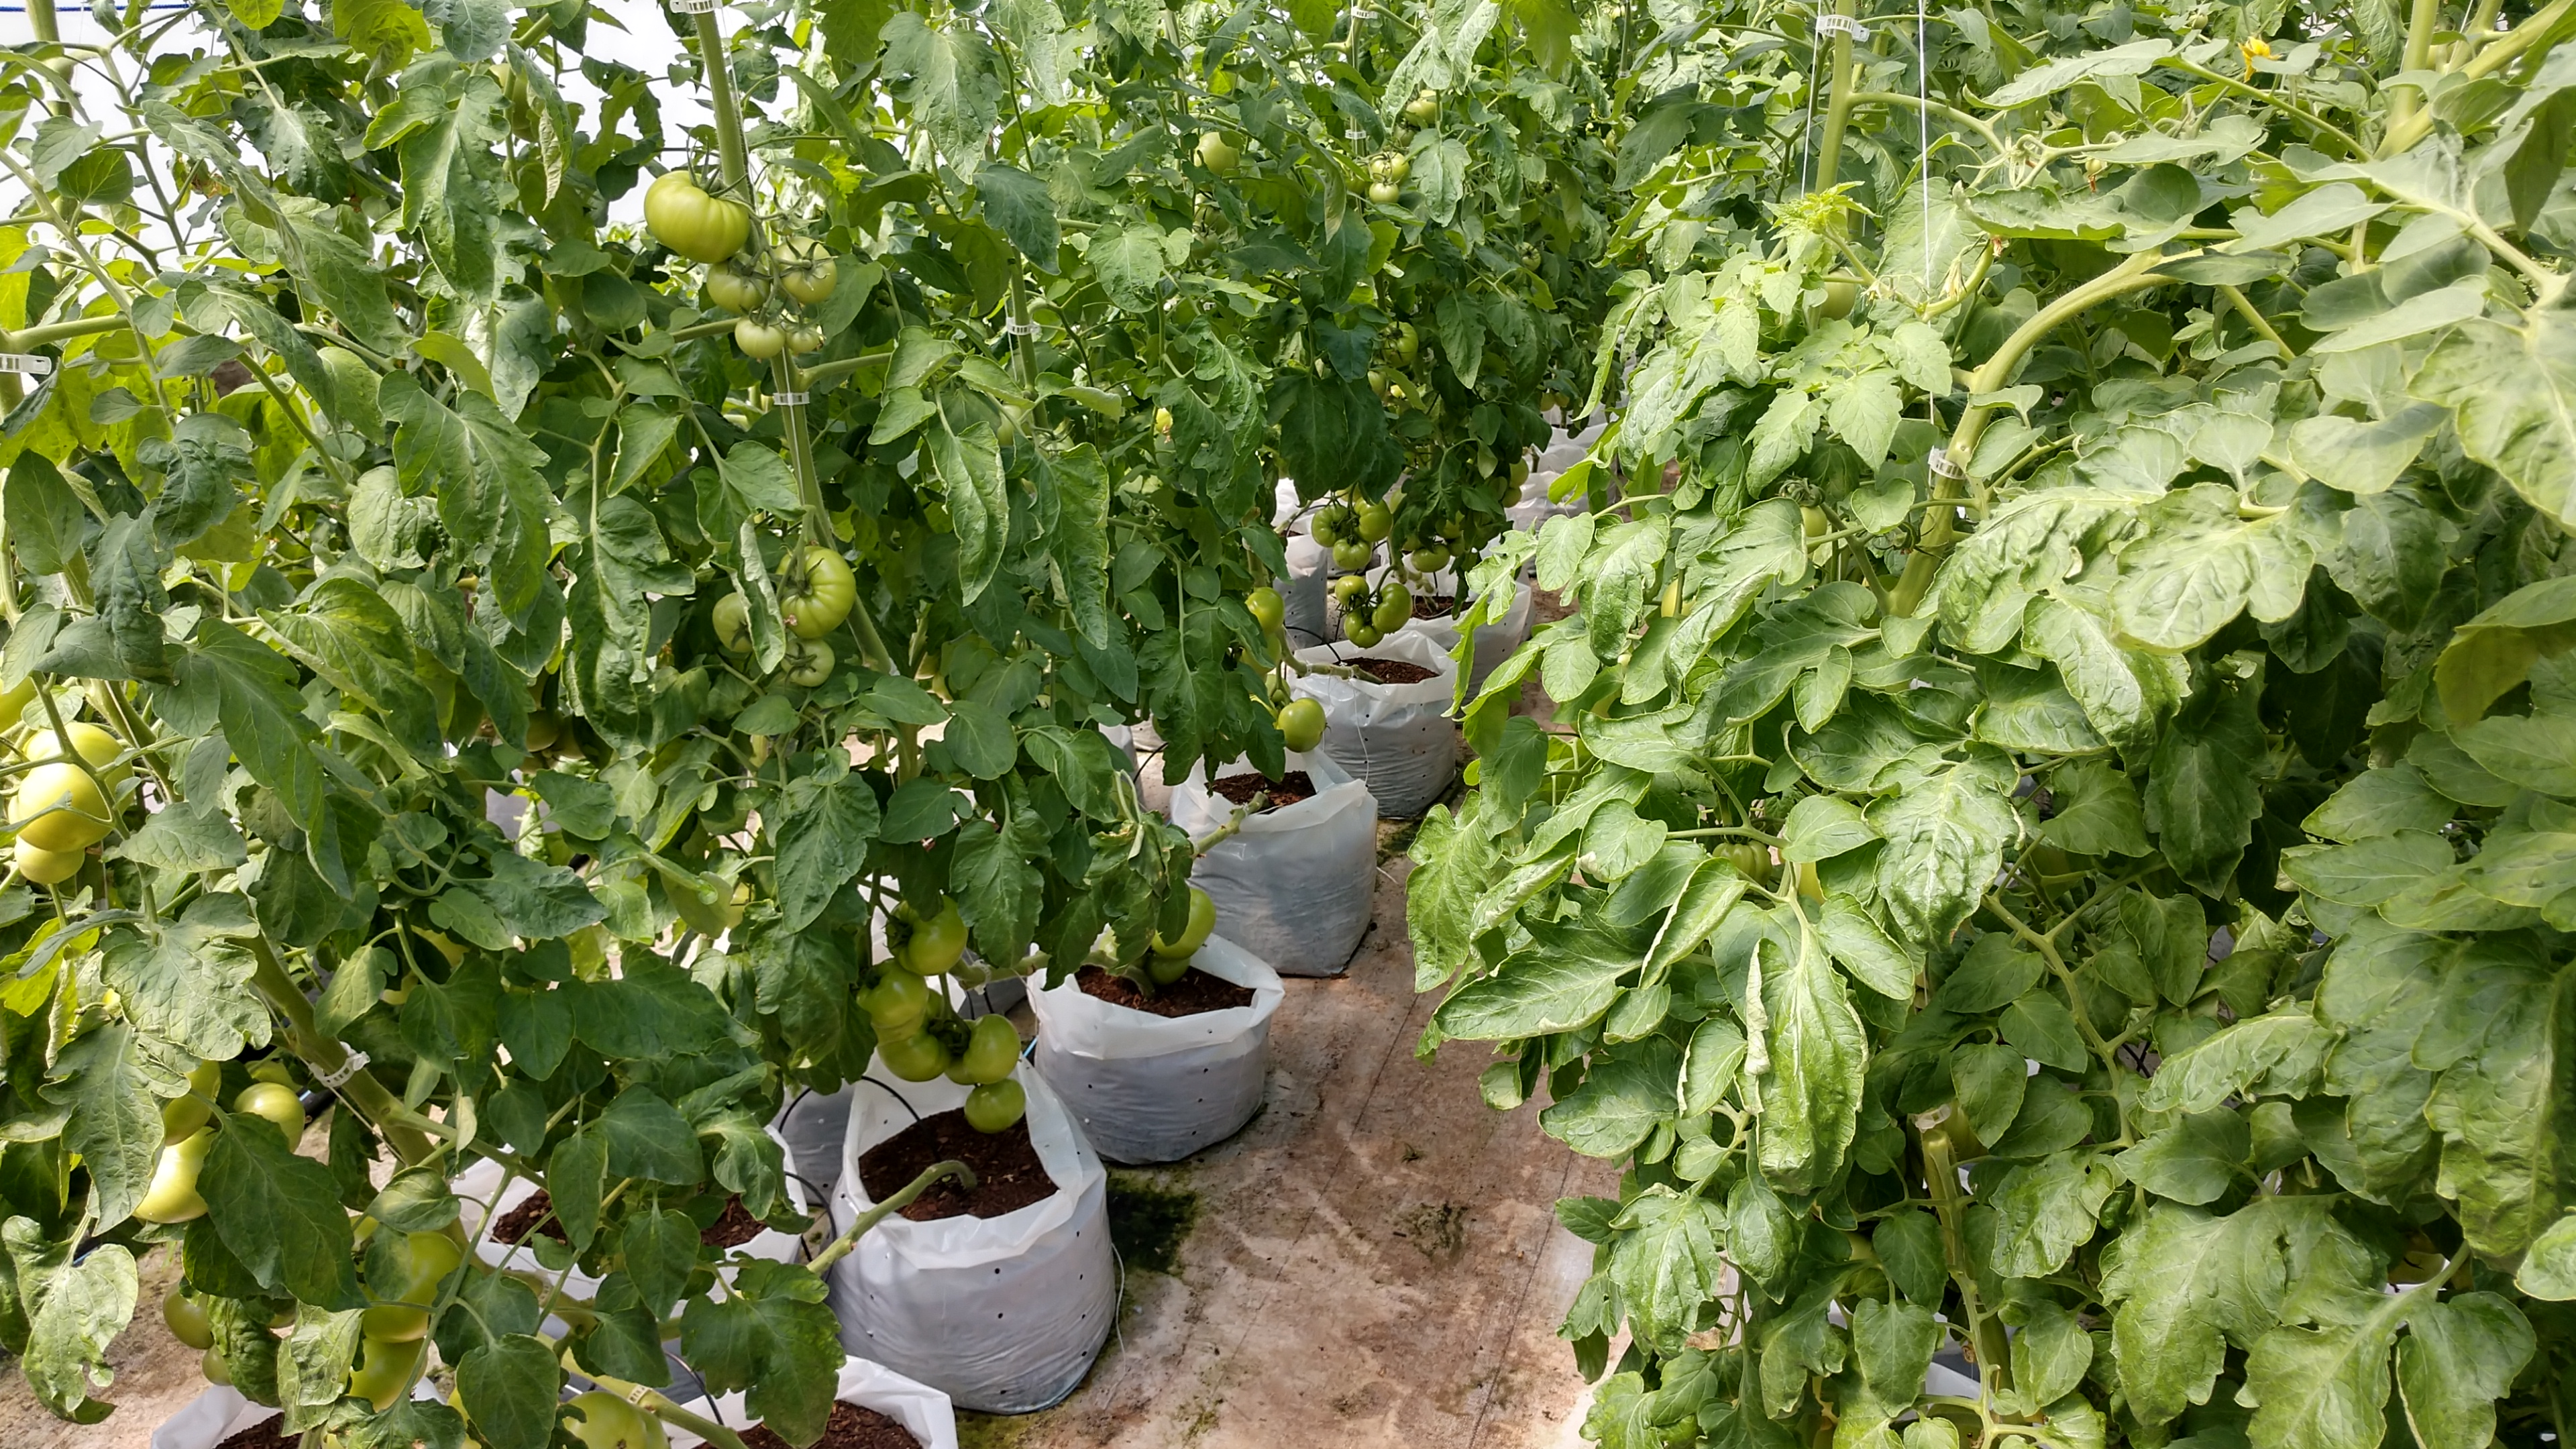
(788,399)
(1943,467)
(1020,329)
(27,364)
(692,7)
(1841,25)
(354,1063)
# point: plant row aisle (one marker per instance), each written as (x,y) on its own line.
(2052,874)
(547,699)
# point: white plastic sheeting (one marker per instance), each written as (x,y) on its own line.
(1295,884)
(1150,1088)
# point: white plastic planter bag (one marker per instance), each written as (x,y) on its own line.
(221,1411)
(1494,642)
(1150,1088)
(1295,885)
(813,1124)
(1396,737)
(1004,1314)
(475,1185)
(923,1411)
(1301,593)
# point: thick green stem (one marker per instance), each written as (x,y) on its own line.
(324,1054)
(659,1405)
(2136,274)
(2420,24)
(1985,1333)
(1838,100)
(840,1247)
(2541,31)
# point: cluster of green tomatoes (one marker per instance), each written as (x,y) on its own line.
(920,1036)
(239,1340)
(63,805)
(816,592)
(1300,722)
(716,230)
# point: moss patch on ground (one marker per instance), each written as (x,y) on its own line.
(1148,1222)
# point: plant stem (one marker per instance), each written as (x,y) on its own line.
(659,1405)
(324,1054)
(840,1247)
(1838,102)
(2540,30)
(2420,24)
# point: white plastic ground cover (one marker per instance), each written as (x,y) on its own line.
(923,1411)
(1004,1314)
(1150,1088)
(1396,737)
(1294,885)
(475,1184)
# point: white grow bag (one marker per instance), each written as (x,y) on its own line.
(1150,1088)
(923,1411)
(1295,885)
(1494,642)
(1004,1314)
(475,1184)
(1396,737)
(220,1411)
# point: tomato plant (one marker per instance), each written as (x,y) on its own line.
(2046,870)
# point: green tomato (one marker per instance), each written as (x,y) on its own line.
(385,1369)
(1408,342)
(806,270)
(1347,588)
(1430,560)
(216,1371)
(992,1049)
(1384,193)
(187,1319)
(735,291)
(1394,609)
(1167,969)
(606,1421)
(915,1058)
(48,867)
(1218,154)
(682,216)
(1352,555)
(820,591)
(1194,934)
(1838,299)
(1267,608)
(935,944)
(994,1106)
(804,340)
(276,1102)
(1326,529)
(731,621)
(896,1002)
(58,807)
(419,1264)
(758,339)
(172,1197)
(1424,108)
(1301,724)
(809,662)
(182,1116)
(1363,633)
(1376,522)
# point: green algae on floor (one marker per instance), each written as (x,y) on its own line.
(1148,1221)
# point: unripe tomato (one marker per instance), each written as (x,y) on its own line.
(820,591)
(48,867)
(1430,560)
(936,943)
(731,621)
(897,1001)
(1347,588)
(1301,724)
(682,216)
(1384,193)
(1751,861)
(1375,522)
(808,662)
(1424,108)
(187,1319)
(1364,633)
(172,1197)
(992,1049)
(1352,554)
(915,1058)
(1194,933)
(276,1102)
(804,340)
(759,339)
(58,807)
(735,291)
(806,271)
(1326,529)
(419,1266)
(385,1369)
(1218,154)
(1408,342)
(545,728)
(1816,521)
(1394,608)
(95,745)
(216,1371)
(1839,296)
(1267,608)
(1164,970)
(14,702)
(606,1421)
(182,1116)
(994,1106)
